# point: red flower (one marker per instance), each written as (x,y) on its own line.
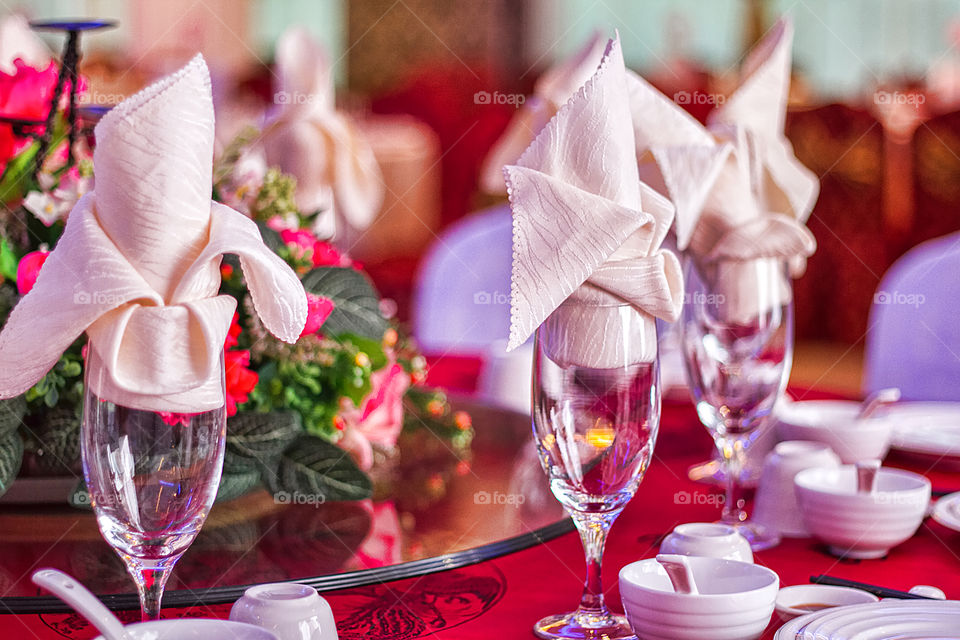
(240,380)
(29,269)
(25,94)
(300,240)
(233,333)
(318,310)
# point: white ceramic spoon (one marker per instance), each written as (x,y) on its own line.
(82,600)
(876,400)
(679,571)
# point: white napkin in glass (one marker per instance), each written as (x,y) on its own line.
(138,265)
(741,194)
(335,167)
(586,228)
(552,89)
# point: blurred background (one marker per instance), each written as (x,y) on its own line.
(874,111)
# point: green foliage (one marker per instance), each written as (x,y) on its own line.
(255,441)
(234,485)
(8,261)
(313,388)
(11,455)
(11,414)
(63,384)
(17,178)
(312,466)
(276,196)
(356,302)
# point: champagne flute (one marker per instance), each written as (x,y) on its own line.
(737,341)
(595,427)
(152,478)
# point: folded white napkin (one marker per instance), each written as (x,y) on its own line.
(553,88)
(588,232)
(335,167)
(741,194)
(138,265)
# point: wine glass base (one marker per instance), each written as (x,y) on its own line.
(759,536)
(578,625)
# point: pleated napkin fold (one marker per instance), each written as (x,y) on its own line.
(336,171)
(587,231)
(552,89)
(740,192)
(138,265)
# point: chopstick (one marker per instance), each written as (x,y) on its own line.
(880,592)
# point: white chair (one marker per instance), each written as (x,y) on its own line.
(913,339)
(461,303)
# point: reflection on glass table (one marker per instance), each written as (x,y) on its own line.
(434,509)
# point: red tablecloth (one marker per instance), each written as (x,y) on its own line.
(502,598)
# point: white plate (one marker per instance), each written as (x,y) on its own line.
(886,620)
(927,429)
(947,511)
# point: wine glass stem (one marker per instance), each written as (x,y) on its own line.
(593,528)
(732,452)
(151,580)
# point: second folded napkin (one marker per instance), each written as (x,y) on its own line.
(587,229)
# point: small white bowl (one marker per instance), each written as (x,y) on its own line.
(790,599)
(861,525)
(292,611)
(835,424)
(195,629)
(708,540)
(735,600)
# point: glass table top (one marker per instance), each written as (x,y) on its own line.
(434,509)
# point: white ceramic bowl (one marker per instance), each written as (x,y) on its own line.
(790,598)
(735,602)
(709,540)
(292,611)
(834,423)
(195,629)
(861,525)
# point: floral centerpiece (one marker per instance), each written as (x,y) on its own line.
(317,418)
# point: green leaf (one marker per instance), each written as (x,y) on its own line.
(256,440)
(11,455)
(18,175)
(8,261)
(315,468)
(373,349)
(234,485)
(11,414)
(58,440)
(271,237)
(356,303)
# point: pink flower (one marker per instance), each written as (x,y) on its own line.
(325,254)
(300,240)
(29,269)
(318,310)
(380,417)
